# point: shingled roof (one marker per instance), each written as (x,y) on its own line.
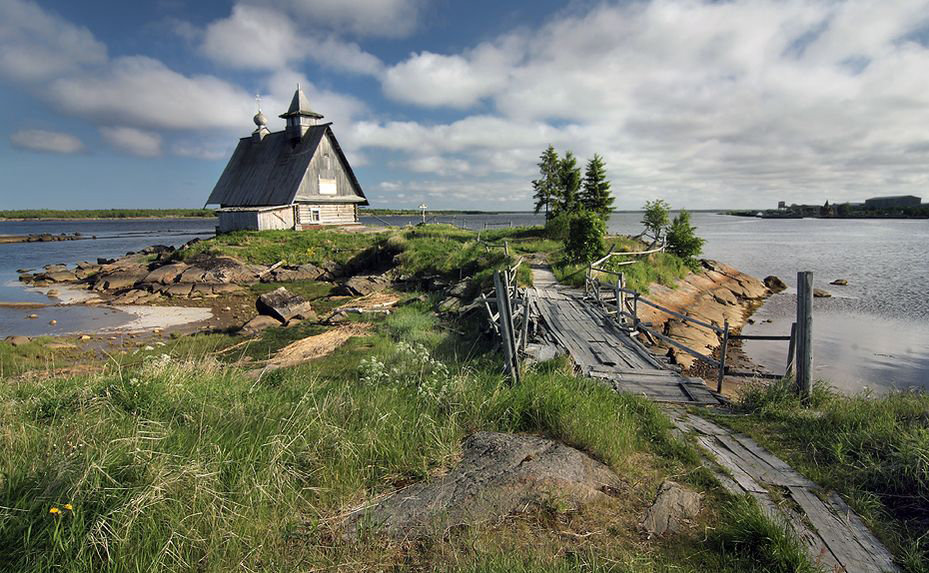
(269,171)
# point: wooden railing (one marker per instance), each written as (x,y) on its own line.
(623,307)
(507,308)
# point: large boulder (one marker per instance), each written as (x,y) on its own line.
(284,305)
(59,276)
(166,274)
(365,285)
(17,340)
(305,272)
(121,279)
(497,475)
(774,284)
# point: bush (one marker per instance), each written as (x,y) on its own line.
(556,228)
(682,239)
(584,242)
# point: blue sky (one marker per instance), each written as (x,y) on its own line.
(705,104)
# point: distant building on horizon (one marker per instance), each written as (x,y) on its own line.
(293,179)
(893,202)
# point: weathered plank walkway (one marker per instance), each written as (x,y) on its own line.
(601,350)
(835,536)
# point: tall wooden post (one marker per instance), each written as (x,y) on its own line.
(804,361)
(791,349)
(722,357)
(506,327)
(506,248)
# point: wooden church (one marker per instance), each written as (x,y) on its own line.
(298,178)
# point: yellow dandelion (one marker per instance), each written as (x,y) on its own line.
(54,510)
(69,507)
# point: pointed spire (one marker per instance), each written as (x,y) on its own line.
(300,105)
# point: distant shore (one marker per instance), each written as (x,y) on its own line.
(103,214)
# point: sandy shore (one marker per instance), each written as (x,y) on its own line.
(148,318)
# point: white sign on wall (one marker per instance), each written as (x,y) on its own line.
(327,187)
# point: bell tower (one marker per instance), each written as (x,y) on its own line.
(299,116)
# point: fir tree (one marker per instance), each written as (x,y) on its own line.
(569,184)
(596,196)
(546,186)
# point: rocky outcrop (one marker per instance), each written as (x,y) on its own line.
(284,306)
(498,474)
(674,508)
(718,294)
(259,323)
(305,272)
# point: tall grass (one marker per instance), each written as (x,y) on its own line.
(190,465)
(872,449)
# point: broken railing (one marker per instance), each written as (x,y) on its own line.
(622,305)
(507,308)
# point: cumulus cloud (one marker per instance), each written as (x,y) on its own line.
(36,45)
(47,141)
(263,38)
(705,103)
(133,141)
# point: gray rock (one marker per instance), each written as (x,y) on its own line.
(55,268)
(307,272)
(365,285)
(840,282)
(774,284)
(121,279)
(59,276)
(542,352)
(497,475)
(673,508)
(259,323)
(820,293)
(284,305)
(17,340)
(166,274)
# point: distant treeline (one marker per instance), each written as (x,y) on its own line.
(105,213)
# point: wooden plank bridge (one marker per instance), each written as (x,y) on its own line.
(602,350)
(836,538)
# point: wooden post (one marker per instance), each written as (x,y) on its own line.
(635,311)
(790,350)
(506,248)
(524,337)
(804,360)
(722,357)
(505,325)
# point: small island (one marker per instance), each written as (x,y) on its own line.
(889,207)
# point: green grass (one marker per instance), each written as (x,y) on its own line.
(269,247)
(182,463)
(104,213)
(36,355)
(873,450)
(661,268)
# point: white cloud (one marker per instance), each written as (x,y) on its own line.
(133,141)
(264,38)
(705,103)
(36,45)
(47,141)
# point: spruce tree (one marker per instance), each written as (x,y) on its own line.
(546,186)
(569,184)
(596,196)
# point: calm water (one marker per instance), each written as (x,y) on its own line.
(873,333)
(114,238)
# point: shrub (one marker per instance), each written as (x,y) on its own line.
(556,227)
(682,239)
(585,237)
